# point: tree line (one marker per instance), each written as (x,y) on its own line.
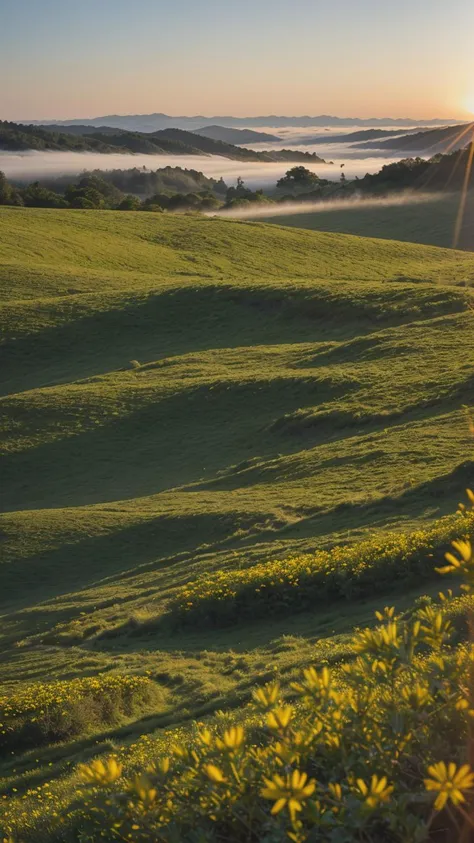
(177,189)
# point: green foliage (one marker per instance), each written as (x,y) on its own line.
(48,712)
(8,194)
(439,172)
(362,753)
(300,178)
(100,190)
(240,195)
(35,196)
(19,137)
(301,583)
(166,180)
(129,203)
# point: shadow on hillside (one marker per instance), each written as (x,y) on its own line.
(172,442)
(164,546)
(155,544)
(149,327)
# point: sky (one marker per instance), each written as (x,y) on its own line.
(61,59)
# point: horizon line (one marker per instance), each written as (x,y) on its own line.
(245,117)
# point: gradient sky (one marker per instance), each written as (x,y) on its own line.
(84,58)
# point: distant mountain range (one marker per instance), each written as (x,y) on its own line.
(153,122)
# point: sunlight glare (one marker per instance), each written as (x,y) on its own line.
(470,103)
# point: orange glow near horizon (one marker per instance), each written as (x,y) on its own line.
(470,104)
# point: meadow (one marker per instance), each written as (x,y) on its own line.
(192,404)
(433,223)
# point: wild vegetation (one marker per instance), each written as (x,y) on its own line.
(299,583)
(191,401)
(48,712)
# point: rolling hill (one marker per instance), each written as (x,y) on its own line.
(359,136)
(431,222)
(236,136)
(432,141)
(220,133)
(19,137)
(184,396)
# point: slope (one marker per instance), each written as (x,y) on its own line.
(431,222)
(186,395)
(236,136)
(443,139)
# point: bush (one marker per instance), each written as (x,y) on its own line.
(299,583)
(50,712)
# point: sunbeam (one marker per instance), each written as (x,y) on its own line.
(464,192)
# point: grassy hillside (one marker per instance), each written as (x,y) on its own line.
(431,223)
(186,397)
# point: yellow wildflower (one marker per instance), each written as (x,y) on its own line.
(143,789)
(214,773)
(232,739)
(450,782)
(280,717)
(290,792)
(268,696)
(100,772)
(376,792)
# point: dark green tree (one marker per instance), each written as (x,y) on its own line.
(36,196)
(9,195)
(298,177)
(84,197)
(130,203)
(5,190)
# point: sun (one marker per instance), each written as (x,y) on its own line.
(469,103)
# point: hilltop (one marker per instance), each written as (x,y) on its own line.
(186,398)
(238,136)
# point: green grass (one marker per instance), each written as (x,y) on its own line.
(183,396)
(431,223)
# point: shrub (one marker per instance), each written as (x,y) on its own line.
(43,713)
(299,583)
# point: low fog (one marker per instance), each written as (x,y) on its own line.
(286,209)
(29,166)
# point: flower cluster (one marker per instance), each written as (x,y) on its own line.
(354,748)
(298,583)
(369,750)
(44,712)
